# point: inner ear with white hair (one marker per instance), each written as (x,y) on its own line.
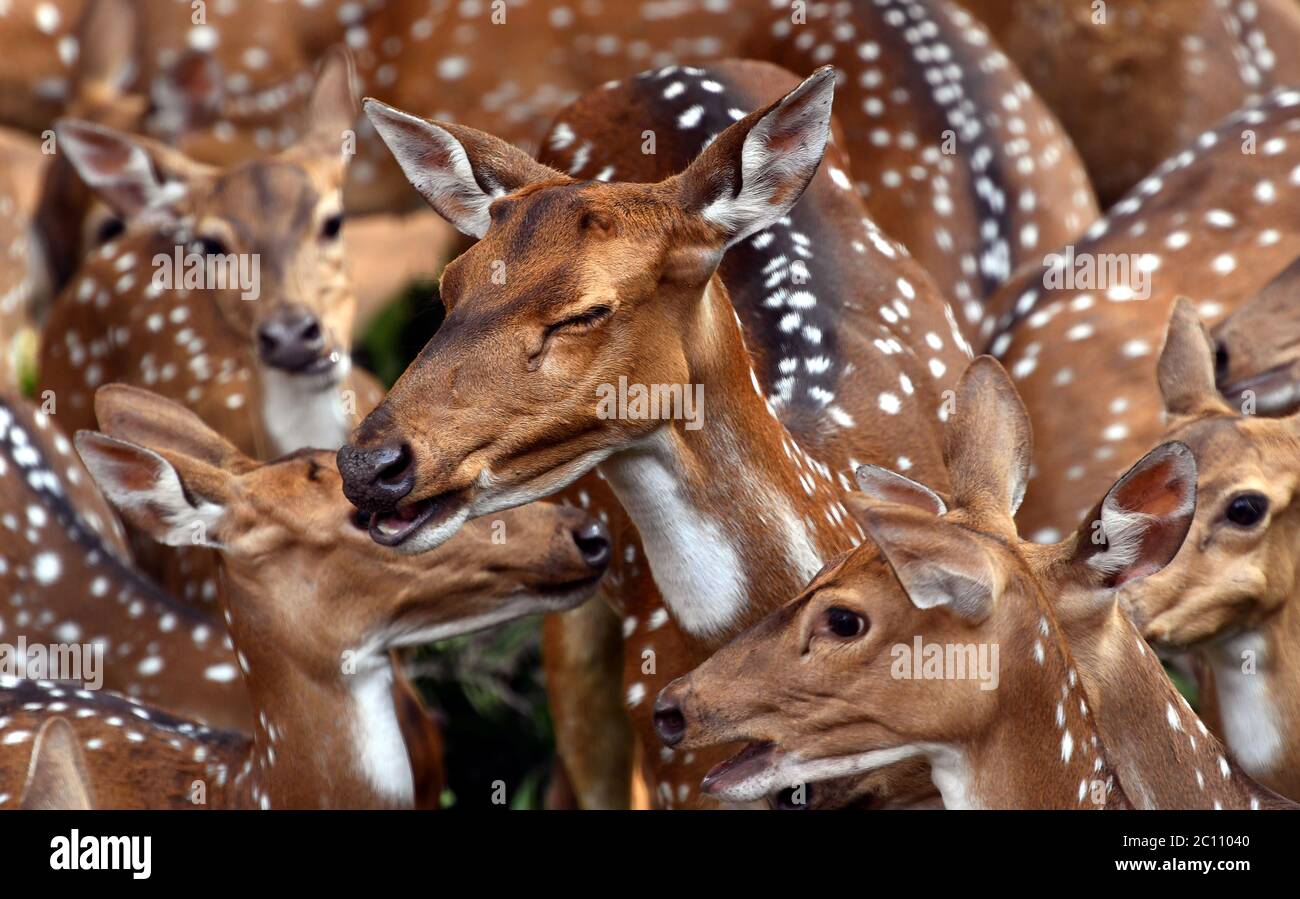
(758,168)
(1140,525)
(458,170)
(177,501)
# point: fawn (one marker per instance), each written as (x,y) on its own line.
(313,607)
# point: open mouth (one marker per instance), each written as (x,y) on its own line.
(737,774)
(396,527)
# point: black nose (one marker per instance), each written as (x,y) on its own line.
(290,339)
(375,480)
(670,723)
(593,542)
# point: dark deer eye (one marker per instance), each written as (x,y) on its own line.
(844,623)
(109,229)
(210,246)
(583,321)
(1247,509)
(333,225)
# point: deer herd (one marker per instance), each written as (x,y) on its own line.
(973,464)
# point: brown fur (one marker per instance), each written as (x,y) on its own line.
(925,153)
(1257,349)
(1083,359)
(1132,91)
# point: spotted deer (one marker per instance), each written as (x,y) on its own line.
(1257,349)
(313,608)
(1229,597)
(837,348)
(1079,334)
(67,579)
(1007,665)
(1133,83)
(273,374)
(952,152)
(279,348)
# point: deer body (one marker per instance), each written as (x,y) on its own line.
(68,579)
(1158,73)
(952,152)
(1212,224)
(1230,596)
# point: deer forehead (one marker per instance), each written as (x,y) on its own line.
(269,202)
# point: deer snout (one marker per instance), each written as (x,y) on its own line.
(669,713)
(291,339)
(376,479)
(594,544)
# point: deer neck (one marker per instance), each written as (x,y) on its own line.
(299,411)
(1163,753)
(322,738)
(1043,749)
(1255,673)
(735,517)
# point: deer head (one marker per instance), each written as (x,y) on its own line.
(1238,566)
(838,682)
(304,582)
(572,285)
(1257,349)
(272,225)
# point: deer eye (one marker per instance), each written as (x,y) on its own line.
(843,623)
(583,321)
(210,246)
(109,229)
(1247,509)
(333,225)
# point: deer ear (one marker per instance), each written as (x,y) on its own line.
(988,442)
(147,419)
(131,174)
(884,486)
(1140,525)
(757,169)
(151,493)
(937,565)
(1186,368)
(332,109)
(106,47)
(56,777)
(459,171)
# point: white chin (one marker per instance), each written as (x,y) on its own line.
(431,536)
